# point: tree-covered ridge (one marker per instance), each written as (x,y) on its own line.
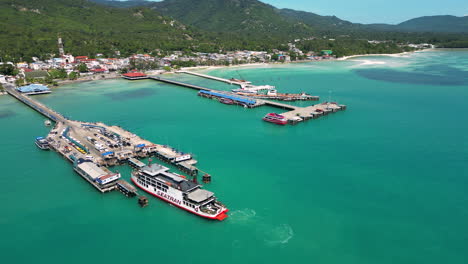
(239,16)
(450,24)
(123,4)
(29,28)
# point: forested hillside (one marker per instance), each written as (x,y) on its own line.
(29,28)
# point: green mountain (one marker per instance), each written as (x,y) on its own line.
(234,16)
(253,16)
(30,28)
(318,22)
(123,4)
(449,24)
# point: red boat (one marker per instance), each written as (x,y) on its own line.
(226,101)
(276,119)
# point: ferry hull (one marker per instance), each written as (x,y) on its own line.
(43,147)
(278,122)
(221,216)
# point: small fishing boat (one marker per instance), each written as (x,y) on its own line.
(47,122)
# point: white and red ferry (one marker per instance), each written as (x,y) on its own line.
(275,118)
(173,188)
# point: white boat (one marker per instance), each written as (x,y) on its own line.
(42,143)
(47,122)
(175,189)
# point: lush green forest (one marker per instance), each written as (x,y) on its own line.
(31,28)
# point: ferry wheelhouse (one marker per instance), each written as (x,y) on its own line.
(276,119)
(173,188)
(42,143)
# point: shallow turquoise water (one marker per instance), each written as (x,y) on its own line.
(382,182)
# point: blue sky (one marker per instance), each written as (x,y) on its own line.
(376,11)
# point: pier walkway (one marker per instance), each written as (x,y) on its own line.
(196,87)
(42,109)
(294,114)
(213,78)
(279,105)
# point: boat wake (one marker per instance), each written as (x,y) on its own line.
(242,215)
(279,235)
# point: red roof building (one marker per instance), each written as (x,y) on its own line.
(98,70)
(87,60)
(134,74)
(80,58)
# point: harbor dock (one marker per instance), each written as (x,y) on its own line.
(294,115)
(247,89)
(92,147)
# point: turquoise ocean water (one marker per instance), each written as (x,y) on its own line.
(382,182)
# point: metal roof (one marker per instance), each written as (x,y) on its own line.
(137,162)
(154,169)
(200,195)
(33,88)
(162,173)
(235,98)
(92,170)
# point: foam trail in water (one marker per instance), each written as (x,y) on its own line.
(279,235)
(242,215)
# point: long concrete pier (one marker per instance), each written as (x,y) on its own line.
(40,108)
(196,87)
(214,78)
(294,115)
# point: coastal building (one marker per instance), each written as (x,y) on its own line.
(22,65)
(33,89)
(134,75)
(80,58)
(68,58)
(99,70)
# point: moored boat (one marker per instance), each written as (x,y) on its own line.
(42,143)
(175,189)
(226,101)
(275,118)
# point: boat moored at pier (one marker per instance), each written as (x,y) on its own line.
(175,189)
(276,119)
(42,143)
(226,101)
(100,177)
